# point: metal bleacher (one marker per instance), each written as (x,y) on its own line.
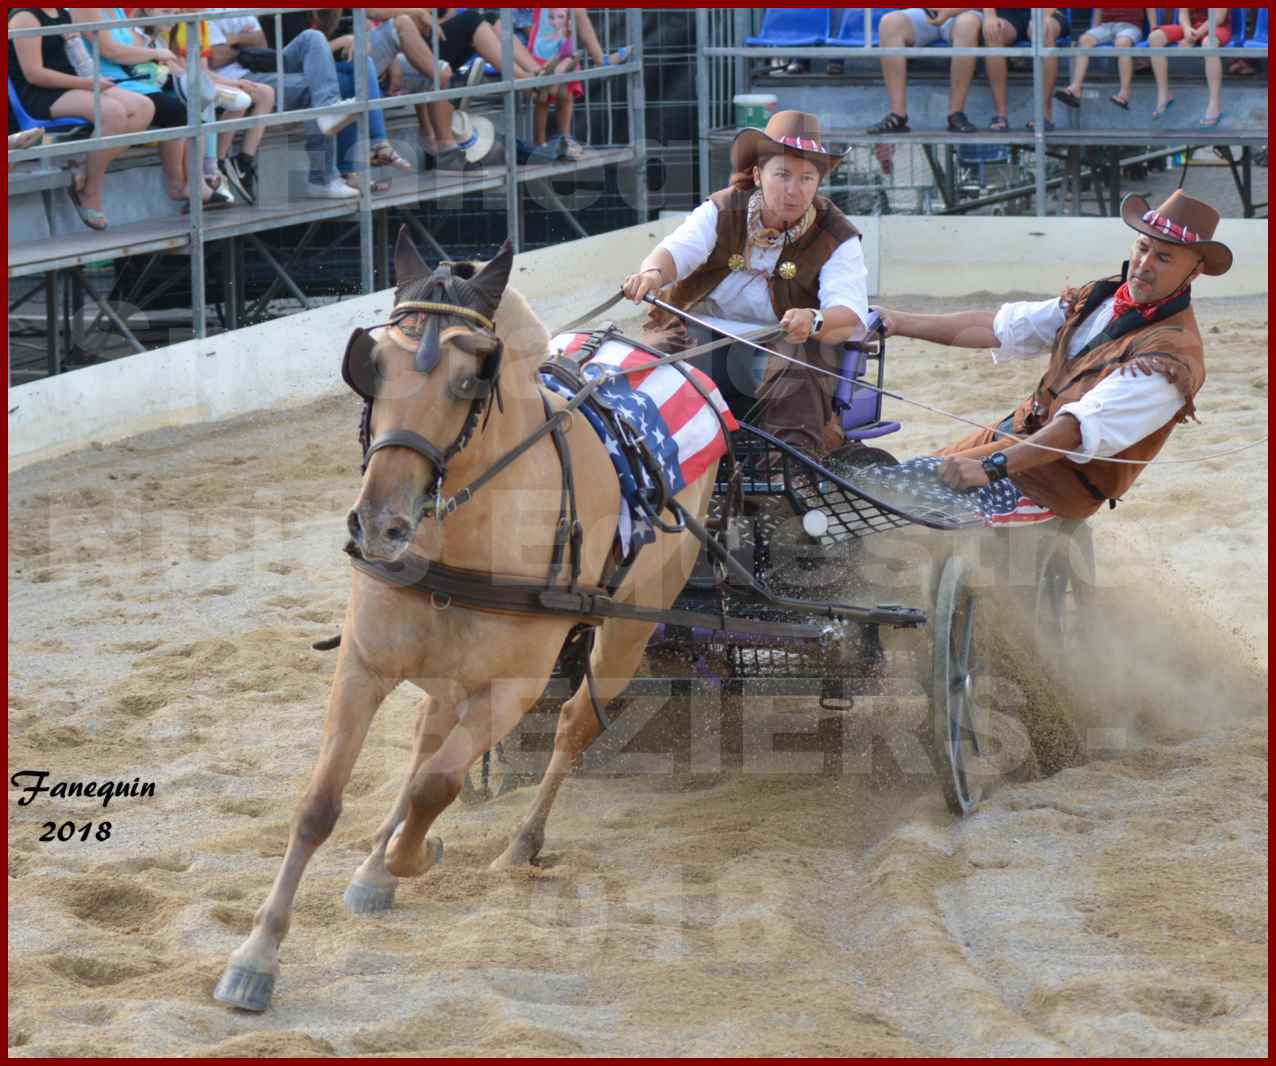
(47,238)
(1090,146)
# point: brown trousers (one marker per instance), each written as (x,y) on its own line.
(795,402)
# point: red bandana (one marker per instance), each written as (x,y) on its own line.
(1124,302)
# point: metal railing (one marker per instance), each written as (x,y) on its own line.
(196,128)
(713,82)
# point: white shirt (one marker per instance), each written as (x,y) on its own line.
(743,295)
(217,31)
(1121,409)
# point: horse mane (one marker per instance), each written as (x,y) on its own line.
(524,334)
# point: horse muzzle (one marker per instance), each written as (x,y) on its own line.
(382,533)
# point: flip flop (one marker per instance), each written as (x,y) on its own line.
(1066,97)
(1157,112)
(1210,123)
(90,216)
(999,124)
(1124,105)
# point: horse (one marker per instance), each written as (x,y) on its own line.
(459,363)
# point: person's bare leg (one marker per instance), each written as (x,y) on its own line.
(440,113)
(488,45)
(962,72)
(415,47)
(1080,64)
(1160,70)
(263,103)
(896,31)
(540,118)
(563,113)
(1125,67)
(1049,68)
(1214,79)
(78,103)
(586,36)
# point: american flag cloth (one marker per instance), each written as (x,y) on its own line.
(1171,228)
(660,407)
(916,483)
(803,144)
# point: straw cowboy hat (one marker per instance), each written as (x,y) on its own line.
(476,137)
(1180,220)
(790,132)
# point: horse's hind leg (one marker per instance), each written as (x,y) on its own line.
(372,887)
(619,650)
(356,694)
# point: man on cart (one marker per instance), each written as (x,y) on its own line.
(1125,364)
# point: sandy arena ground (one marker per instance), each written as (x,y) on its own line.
(163,595)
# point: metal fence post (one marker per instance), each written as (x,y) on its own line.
(638,111)
(512,212)
(702,99)
(1038,113)
(194,117)
(362,146)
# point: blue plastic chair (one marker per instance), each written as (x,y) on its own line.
(794,27)
(1259,40)
(851,32)
(53,125)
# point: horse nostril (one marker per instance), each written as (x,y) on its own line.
(354,525)
(397,530)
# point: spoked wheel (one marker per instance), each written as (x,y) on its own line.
(952,704)
(1065,591)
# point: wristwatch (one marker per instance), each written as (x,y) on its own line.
(995,466)
(818,324)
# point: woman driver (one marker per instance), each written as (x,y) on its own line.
(768,250)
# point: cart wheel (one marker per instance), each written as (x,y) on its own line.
(952,705)
(852,457)
(1065,590)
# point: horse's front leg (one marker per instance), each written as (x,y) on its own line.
(483,720)
(372,887)
(356,693)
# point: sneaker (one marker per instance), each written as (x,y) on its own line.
(333,124)
(241,172)
(222,196)
(333,189)
(231,99)
(959,123)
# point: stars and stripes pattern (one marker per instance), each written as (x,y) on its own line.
(659,407)
(916,483)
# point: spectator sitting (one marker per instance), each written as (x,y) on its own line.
(400,55)
(1119,26)
(1191,30)
(349,161)
(309,80)
(128,59)
(214,92)
(49,87)
(1002,27)
(918,27)
(585,35)
(548,40)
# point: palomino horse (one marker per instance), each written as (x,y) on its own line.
(480,671)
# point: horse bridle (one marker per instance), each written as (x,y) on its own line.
(478,388)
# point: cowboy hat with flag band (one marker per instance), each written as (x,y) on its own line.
(789,133)
(1180,220)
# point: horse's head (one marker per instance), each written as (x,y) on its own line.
(427,380)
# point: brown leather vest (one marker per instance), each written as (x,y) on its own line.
(829,229)
(1172,341)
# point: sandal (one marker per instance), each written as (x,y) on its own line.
(90,216)
(619,57)
(892,123)
(1157,112)
(999,124)
(1121,102)
(1047,125)
(570,148)
(1067,96)
(384,155)
(1210,123)
(378,185)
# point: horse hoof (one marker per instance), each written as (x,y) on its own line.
(364,898)
(245,989)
